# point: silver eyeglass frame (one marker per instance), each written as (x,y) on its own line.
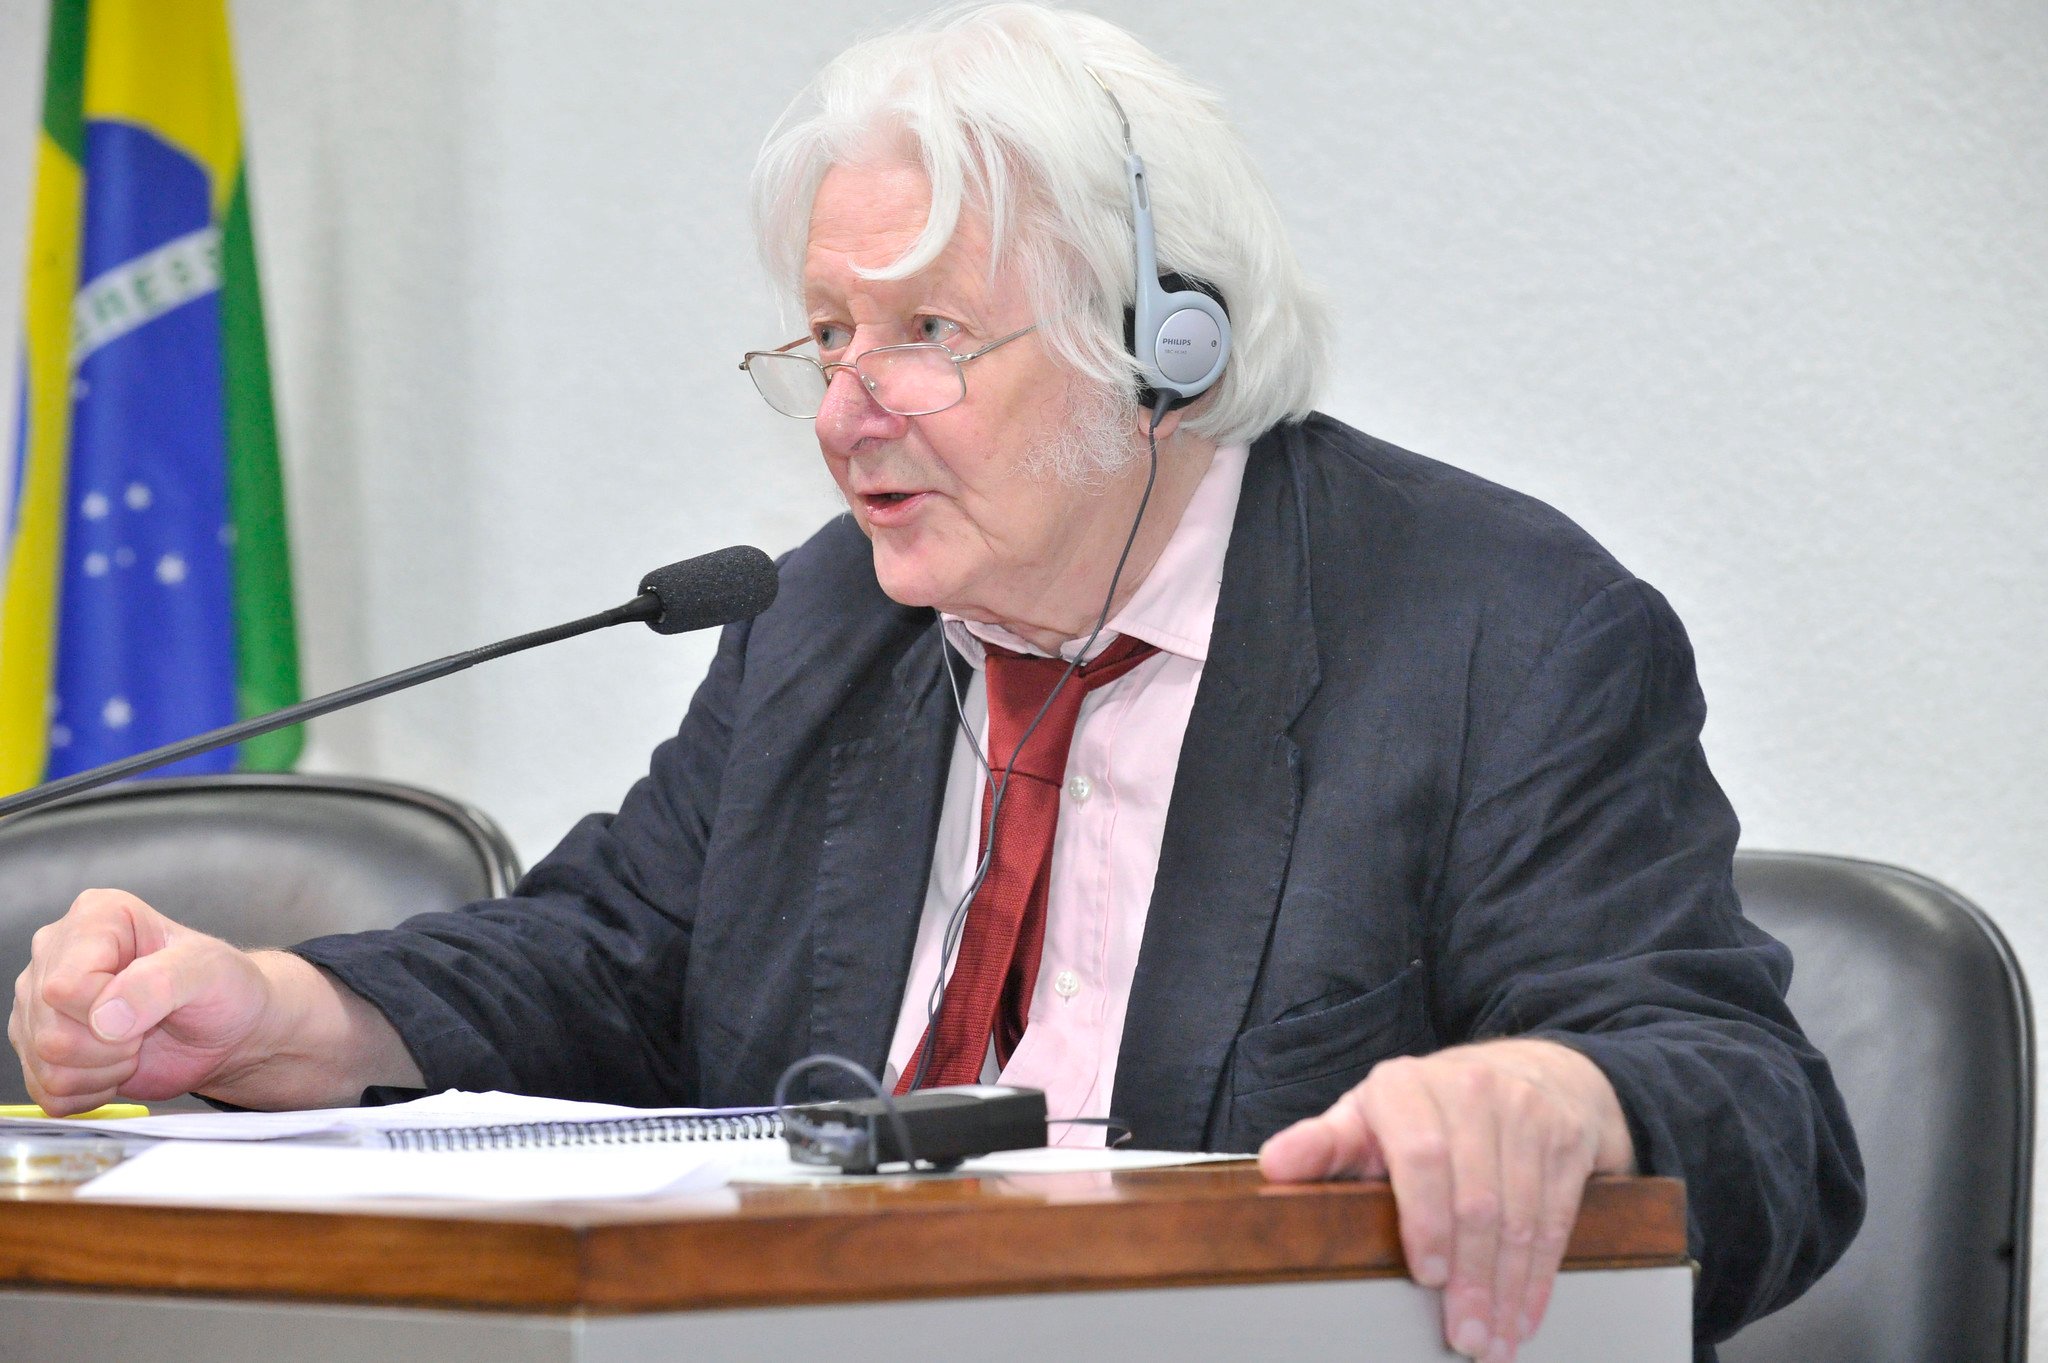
(825,370)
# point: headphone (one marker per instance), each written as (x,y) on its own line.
(1178,330)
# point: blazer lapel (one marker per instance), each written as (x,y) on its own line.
(1230,826)
(886,785)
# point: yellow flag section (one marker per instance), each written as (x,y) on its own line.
(162,66)
(134,44)
(35,529)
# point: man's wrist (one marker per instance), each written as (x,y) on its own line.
(289,1015)
(315,1043)
(278,1020)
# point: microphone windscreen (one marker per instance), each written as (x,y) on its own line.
(711,589)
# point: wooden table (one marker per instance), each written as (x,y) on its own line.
(1178,1263)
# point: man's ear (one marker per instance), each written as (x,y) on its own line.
(1170,423)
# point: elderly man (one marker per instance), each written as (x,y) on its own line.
(1238,776)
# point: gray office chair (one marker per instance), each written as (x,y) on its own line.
(260,860)
(1915,998)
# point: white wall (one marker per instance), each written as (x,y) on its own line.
(1757,291)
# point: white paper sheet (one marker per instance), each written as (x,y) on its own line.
(332,1155)
(1078,1159)
(1081,1159)
(218,1172)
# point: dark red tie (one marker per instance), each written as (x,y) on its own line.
(989,994)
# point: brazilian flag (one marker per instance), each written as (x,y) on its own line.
(147,588)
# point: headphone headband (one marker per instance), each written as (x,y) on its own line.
(1177,329)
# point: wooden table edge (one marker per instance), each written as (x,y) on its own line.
(1200,1229)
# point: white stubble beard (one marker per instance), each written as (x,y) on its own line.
(1097,441)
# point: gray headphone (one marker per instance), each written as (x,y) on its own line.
(1178,330)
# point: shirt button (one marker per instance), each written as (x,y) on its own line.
(1066,984)
(1079,788)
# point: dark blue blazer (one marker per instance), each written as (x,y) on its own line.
(1442,781)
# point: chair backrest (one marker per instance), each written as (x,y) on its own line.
(1914,997)
(261,860)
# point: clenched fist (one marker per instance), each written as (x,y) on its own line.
(119,1000)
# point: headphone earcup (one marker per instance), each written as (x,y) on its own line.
(1191,344)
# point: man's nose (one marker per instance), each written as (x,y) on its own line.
(849,414)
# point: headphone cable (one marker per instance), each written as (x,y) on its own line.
(956,922)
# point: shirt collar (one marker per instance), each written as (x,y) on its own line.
(1174,608)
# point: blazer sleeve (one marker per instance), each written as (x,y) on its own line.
(1588,898)
(571,987)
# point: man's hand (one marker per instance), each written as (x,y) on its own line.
(1488,1148)
(118,1000)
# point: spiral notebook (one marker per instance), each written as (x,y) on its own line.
(750,1124)
(471,1146)
(453,1120)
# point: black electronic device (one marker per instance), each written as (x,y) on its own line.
(943,1126)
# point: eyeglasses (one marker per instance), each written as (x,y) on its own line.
(908,380)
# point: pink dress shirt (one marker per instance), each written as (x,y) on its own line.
(1112,819)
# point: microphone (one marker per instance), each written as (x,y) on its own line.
(698,593)
(711,589)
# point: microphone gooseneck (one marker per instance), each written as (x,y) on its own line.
(712,589)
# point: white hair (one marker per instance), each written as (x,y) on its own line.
(1010,126)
